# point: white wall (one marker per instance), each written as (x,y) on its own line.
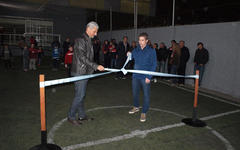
(222,73)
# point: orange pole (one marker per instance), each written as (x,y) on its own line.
(42,103)
(196,90)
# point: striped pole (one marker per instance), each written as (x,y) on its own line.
(194,122)
(42,110)
(43,145)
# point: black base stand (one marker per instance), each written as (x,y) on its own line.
(194,123)
(44,145)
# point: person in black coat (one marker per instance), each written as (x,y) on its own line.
(183,62)
(200,59)
(162,55)
(122,49)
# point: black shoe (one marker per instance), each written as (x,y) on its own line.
(85,119)
(74,122)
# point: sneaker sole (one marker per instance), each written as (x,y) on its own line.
(133,112)
(142,120)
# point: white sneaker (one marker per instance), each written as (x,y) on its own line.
(143,117)
(133,110)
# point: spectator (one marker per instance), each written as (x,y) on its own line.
(133,46)
(200,59)
(105,49)
(33,54)
(25,58)
(40,55)
(131,62)
(122,49)
(55,43)
(96,49)
(170,50)
(7,56)
(22,43)
(115,42)
(113,53)
(162,57)
(32,40)
(145,59)
(175,60)
(55,56)
(183,62)
(65,47)
(150,44)
(68,60)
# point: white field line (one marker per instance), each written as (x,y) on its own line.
(206,95)
(57,125)
(223,139)
(137,133)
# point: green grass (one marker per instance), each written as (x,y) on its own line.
(20,117)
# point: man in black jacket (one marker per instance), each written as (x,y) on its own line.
(122,49)
(82,64)
(183,61)
(200,59)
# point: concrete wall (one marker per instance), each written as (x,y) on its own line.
(222,40)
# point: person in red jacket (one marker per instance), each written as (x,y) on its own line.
(33,54)
(68,60)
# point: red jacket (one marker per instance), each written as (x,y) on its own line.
(68,57)
(33,53)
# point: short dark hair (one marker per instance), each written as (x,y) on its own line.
(199,43)
(125,37)
(182,41)
(174,41)
(143,34)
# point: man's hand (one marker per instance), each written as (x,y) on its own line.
(100,68)
(66,66)
(147,81)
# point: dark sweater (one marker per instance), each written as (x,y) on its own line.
(201,56)
(144,60)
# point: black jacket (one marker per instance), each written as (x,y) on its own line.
(201,56)
(83,57)
(184,56)
(162,54)
(121,52)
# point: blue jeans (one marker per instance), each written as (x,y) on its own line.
(113,62)
(136,85)
(201,71)
(174,71)
(78,101)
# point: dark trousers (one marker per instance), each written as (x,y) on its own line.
(78,101)
(107,61)
(137,84)
(69,67)
(181,71)
(56,63)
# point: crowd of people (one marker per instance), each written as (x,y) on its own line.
(112,54)
(172,60)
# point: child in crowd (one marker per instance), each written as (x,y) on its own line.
(25,58)
(40,54)
(33,54)
(68,60)
(7,56)
(56,56)
(113,53)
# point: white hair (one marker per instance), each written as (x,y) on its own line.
(92,25)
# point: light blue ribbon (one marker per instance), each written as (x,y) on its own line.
(125,71)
